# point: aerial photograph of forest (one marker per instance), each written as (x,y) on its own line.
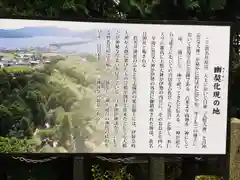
(47,97)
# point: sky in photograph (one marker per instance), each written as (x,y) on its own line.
(76,26)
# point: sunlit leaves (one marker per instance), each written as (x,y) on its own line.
(11,145)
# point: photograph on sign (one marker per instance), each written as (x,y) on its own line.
(95,87)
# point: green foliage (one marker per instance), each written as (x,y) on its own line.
(117,174)
(47,133)
(137,9)
(17,69)
(43,8)
(11,145)
(202,177)
(61,95)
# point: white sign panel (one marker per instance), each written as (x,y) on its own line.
(129,88)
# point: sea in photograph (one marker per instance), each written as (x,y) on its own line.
(44,42)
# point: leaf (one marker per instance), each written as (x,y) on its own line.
(61,150)
(193,4)
(139,6)
(83,7)
(36,140)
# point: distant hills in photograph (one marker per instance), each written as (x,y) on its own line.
(44,31)
(28,32)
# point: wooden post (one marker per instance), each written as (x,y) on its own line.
(78,168)
(235,150)
(3,168)
(66,168)
(157,168)
(189,170)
